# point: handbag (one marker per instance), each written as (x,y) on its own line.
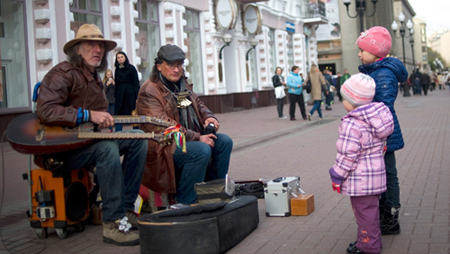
(279,92)
(307,86)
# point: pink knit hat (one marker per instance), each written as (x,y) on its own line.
(359,89)
(376,41)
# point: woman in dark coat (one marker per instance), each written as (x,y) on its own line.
(127,85)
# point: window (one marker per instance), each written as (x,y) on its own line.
(424,49)
(148,37)
(424,58)
(290,49)
(422,31)
(86,11)
(273,50)
(14,83)
(424,39)
(194,52)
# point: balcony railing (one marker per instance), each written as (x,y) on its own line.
(313,9)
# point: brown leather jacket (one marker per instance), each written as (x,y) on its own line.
(66,88)
(154,100)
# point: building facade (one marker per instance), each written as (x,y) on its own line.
(337,53)
(264,35)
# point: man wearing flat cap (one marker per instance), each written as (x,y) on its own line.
(72,93)
(167,95)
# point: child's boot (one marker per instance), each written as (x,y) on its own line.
(389,225)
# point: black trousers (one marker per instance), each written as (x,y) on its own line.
(280,105)
(293,98)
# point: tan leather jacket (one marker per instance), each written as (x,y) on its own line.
(66,88)
(154,100)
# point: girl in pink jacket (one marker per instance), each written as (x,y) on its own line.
(359,170)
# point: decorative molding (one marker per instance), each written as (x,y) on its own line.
(210,63)
(41,75)
(137,45)
(119,44)
(136,30)
(170,34)
(212,86)
(185,48)
(115,11)
(211,75)
(209,51)
(186,62)
(135,14)
(42,16)
(43,35)
(41,2)
(137,61)
(206,15)
(208,38)
(44,56)
(168,21)
(116,28)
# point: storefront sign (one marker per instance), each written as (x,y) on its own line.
(252,19)
(226,13)
(332,30)
(290,27)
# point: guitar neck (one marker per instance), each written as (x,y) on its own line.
(119,135)
(140,119)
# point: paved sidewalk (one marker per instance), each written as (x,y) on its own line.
(266,147)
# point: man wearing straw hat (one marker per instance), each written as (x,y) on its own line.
(72,93)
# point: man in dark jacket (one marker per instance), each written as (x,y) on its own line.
(425,80)
(72,93)
(167,95)
(329,83)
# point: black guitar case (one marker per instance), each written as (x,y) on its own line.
(210,228)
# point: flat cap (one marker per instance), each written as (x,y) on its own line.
(171,53)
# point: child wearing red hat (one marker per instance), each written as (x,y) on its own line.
(374,45)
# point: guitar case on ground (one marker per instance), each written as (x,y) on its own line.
(210,228)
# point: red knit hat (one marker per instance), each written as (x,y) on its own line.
(359,89)
(376,41)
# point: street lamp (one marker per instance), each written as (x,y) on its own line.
(411,41)
(253,43)
(227,38)
(409,25)
(360,9)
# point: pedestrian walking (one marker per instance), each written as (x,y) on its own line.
(279,84)
(359,170)
(317,87)
(337,84)
(425,82)
(295,83)
(374,45)
(433,81)
(329,83)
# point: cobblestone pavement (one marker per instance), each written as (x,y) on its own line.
(266,147)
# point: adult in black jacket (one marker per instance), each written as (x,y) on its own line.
(127,85)
(425,80)
(278,81)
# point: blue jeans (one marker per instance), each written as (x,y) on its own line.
(194,165)
(119,183)
(111,109)
(316,106)
(392,194)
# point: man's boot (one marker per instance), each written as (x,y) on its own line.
(118,233)
(389,225)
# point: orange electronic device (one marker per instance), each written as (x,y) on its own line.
(59,199)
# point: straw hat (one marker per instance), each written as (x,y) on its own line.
(89,32)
